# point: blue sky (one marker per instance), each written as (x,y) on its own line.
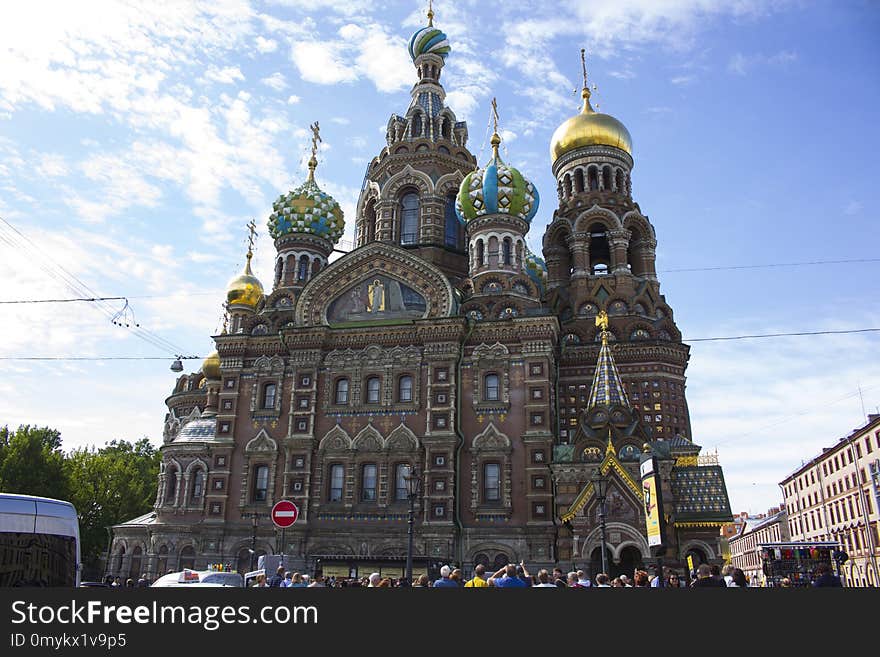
(136,141)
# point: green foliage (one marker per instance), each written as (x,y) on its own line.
(107,486)
(31,462)
(110,485)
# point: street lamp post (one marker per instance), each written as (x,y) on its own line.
(255,517)
(413,486)
(600,489)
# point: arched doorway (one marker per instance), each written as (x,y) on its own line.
(187,558)
(630,561)
(697,555)
(596,563)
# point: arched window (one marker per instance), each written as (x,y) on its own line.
(593,175)
(302,272)
(492,392)
(187,558)
(417,126)
(373,390)
(481,253)
(370,222)
(269,396)
(261,483)
(452,223)
(579,180)
(405,389)
(600,251)
(491,482)
(409,226)
(606,178)
(172,487)
(401,492)
(198,485)
(136,558)
(337,479)
(506,252)
(341,396)
(446,128)
(368,482)
(279,268)
(162,561)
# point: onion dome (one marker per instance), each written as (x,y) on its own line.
(245,289)
(211,366)
(429,40)
(307,210)
(497,188)
(589,128)
(536,269)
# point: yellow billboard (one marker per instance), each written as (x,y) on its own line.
(653,504)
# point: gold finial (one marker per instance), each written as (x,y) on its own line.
(313,161)
(496,140)
(602,323)
(585,93)
(430,13)
(252,233)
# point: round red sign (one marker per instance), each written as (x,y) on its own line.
(284,513)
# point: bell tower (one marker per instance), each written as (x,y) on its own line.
(600,253)
(409,189)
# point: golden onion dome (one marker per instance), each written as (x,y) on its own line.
(589,128)
(245,289)
(211,366)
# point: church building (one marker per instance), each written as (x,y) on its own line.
(441,346)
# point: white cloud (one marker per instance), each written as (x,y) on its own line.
(266,45)
(293,100)
(321,63)
(275,81)
(740,64)
(683,80)
(52,165)
(225,75)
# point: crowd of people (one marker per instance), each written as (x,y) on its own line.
(518,576)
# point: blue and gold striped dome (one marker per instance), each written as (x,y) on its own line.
(307,210)
(536,269)
(498,188)
(429,40)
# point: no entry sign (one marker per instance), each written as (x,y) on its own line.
(284,513)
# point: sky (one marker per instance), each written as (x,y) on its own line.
(138,139)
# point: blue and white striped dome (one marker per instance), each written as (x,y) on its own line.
(429,40)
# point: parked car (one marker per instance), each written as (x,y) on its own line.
(188,578)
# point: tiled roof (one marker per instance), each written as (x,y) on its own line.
(700,493)
(607,388)
(198,429)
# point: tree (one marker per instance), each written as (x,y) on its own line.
(110,485)
(32,463)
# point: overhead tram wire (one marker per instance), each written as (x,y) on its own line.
(21,242)
(729,337)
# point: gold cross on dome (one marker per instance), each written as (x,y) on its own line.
(495,113)
(316,137)
(584,65)
(252,233)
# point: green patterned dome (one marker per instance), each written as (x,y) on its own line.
(496,189)
(307,210)
(429,40)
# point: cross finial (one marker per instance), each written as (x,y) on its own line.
(313,161)
(496,140)
(252,233)
(584,65)
(430,13)
(585,93)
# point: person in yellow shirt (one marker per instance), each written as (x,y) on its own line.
(478,581)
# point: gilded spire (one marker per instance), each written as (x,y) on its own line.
(585,93)
(313,161)
(496,139)
(607,387)
(430,13)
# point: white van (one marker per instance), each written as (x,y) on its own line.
(39,542)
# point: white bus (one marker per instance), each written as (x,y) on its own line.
(39,542)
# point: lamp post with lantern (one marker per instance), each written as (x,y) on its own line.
(600,490)
(413,487)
